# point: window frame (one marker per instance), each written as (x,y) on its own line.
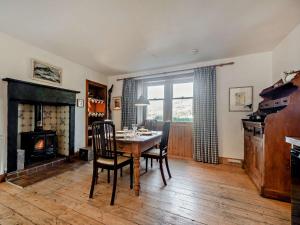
(179,81)
(155,83)
(168,94)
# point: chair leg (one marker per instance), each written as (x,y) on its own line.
(131,174)
(121,172)
(97,176)
(151,162)
(168,169)
(108,176)
(93,182)
(114,187)
(162,171)
(146,164)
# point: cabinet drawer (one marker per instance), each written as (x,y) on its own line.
(284,101)
(281,102)
(267,105)
(277,102)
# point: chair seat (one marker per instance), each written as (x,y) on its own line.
(124,154)
(154,152)
(110,162)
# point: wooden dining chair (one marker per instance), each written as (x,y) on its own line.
(150,124)
(106,155)
(160,153)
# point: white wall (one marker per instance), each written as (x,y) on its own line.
(286,56)
(15,62)
(250,70)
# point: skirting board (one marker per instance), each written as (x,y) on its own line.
(222,160)
(231,161)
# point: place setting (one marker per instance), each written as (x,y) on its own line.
(134,132)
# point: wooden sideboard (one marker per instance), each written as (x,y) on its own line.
(266,154)
(254,151)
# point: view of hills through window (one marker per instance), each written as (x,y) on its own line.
(155,95)
(182,102)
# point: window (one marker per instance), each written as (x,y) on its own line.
(155,95)
(182,102)
(170,99)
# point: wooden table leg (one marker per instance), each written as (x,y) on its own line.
(136,161)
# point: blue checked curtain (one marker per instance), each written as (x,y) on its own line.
(205,117)
(129,97)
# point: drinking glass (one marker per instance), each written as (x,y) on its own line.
(134,127)
(125,129)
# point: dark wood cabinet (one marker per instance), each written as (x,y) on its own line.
(254,151)
(266,154)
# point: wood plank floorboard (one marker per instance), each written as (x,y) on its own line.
(196,194)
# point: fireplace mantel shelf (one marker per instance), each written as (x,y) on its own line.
(38,85)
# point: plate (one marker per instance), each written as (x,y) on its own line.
(143,130)
(120,131)
(146,133)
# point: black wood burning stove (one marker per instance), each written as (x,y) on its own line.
(38,144)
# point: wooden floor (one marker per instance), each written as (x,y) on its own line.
(197,194)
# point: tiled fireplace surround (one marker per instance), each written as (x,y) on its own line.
(59,115)
(54,118)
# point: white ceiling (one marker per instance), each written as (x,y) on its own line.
(121,36)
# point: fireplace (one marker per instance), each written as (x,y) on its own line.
(45,128)
(38,145)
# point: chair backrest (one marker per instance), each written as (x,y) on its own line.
(104,141)
(150,124)
(165,138)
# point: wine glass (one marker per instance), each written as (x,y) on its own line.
(134,127)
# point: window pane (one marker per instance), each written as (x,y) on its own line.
(155,110)
(182,110)
(155,92)
(182,90)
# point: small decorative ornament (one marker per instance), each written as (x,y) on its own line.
(80,103)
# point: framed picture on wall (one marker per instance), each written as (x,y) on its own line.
(241,99)
(45,72)
(117,103)
(80,103)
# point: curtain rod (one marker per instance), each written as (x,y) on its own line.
(148,75)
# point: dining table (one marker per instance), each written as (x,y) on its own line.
(135,145)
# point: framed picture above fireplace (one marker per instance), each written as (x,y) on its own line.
(45,72)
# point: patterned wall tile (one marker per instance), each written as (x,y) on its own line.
(25,118)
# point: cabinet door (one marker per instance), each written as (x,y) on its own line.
(247,151)
(257,164)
